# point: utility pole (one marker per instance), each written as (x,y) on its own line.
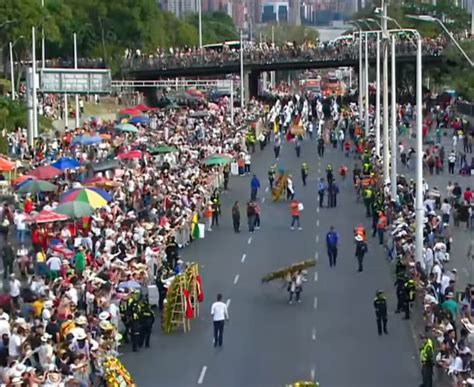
(77,115)
(377,100)
(386,151)
(393,176)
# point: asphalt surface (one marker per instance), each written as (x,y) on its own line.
(330,336)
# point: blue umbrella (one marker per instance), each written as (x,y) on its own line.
(129,285)
(142,120)
(86,140)
(66,163)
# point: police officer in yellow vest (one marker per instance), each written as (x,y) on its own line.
(380,306)
(250,140)
(147,319)
(427,362)
(368,196)
(409,296)
(134,319)
(123,306)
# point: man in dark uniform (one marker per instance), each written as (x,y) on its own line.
(147,319)
(236,217)
(400,289)
(361,249)
(380,305)
(304,173)
(226,176)
(134,318)
(409,296)
(171,251)
(271,176)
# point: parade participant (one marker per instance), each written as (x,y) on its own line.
(215,212)
(236,217)
(360,230)
(368,196)
(254,186)
(321,191)
(333,191)
(380,306)
(304,173)
(329,174)
(332,240)
(295,208)
(321,146)
(271,176)
(147,319)
(295,286)
(361,249)
(381,226)
(298,146)
(251,215)
(219,314)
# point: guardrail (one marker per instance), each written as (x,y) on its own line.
(465,108)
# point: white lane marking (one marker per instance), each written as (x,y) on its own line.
(315,302)
(266,189)
(263,200)
(250,240)
(228,303)
(316,255)
(316,276)
(317,223)
(202,374)
(236,279)
(317,209)
(243,258)
(313,334)
(317,238)
(313,374)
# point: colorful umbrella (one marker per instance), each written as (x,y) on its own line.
(142,120)
(143,108)
(66,163)
(163,149)
(98,181)
(126,128)
(22,179)
(74,209)
(46,172)
(36,186)
(130,112)
(135,154)
(217,159)
(46,216)
(95,197)
(86,140)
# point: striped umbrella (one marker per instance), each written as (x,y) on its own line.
(95,197)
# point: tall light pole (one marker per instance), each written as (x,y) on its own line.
(242,102)
(366,84)
(43,52)
(377,100)
(12,67)
(77,115)
(419,210)
(386,153)
(429,18)
(272,73)
(200,22)
(393,176)
(34,86)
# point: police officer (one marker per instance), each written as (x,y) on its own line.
(368,196)
(171,251)
(380,306)
(409,296)
(124,318)
(427,362)
(134,318)
(400,289)
(147,319)
(321,146)
(329,174)
(226,173)
(304,173)
(215,212)
(250,140)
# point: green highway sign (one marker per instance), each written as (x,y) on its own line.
(75,81)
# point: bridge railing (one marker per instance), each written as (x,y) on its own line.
(465,108)
(195,58)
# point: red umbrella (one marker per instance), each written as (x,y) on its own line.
(46,172)
(46,216)
(130,112)
(135,154)
(143,108)
(22,178)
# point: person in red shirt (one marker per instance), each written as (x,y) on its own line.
(295,214)
(468,195)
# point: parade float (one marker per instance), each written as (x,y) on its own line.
(181,305)
(115,373)
(284,272)
(281,183)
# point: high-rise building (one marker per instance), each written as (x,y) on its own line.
(180,8)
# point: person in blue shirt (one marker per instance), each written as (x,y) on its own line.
(332,239)
(321,191)
(254,186)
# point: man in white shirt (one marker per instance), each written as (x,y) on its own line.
(219,315)
(15,289)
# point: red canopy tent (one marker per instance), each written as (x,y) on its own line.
(6,165)
(46,216)
(46,172)
(130,112)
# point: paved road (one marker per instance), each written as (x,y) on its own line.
(331,335)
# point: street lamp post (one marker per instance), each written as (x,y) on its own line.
(242,102)
(419,210)
(200,22)
(393,176)
(12,67)
(386,152)
(377,100)
(43,50)
(366,84)
(34,85)
(77,115)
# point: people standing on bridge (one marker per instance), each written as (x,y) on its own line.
(254,186)
(332,240)
(361,249)
(380,306)
(236,217)
(304,173)
(220,315)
